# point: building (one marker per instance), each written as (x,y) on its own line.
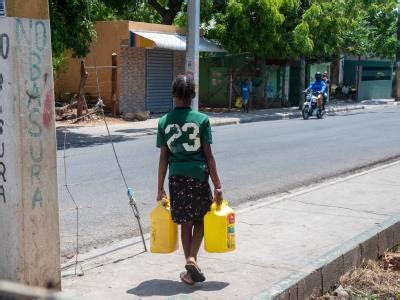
(149,57)
(375,77)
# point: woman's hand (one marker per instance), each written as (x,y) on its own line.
(161,195)
(218,196)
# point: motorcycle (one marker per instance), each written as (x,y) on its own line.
(311,104)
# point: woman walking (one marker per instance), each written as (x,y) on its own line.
(184,138)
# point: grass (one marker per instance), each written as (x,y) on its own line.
(370,281)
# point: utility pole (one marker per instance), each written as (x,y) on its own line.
(397,96)
(29,228)
(192,45)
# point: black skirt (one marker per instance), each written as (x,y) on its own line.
(190,199)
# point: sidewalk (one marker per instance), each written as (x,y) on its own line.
(309,235)
(149,127)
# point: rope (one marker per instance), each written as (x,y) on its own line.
(100,105)
(132,201)
(73,200)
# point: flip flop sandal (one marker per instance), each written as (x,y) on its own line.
(195,273)
(185,279)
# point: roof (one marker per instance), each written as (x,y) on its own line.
(174,41)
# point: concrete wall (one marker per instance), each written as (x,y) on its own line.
(371,89)
(379,89)
(29,230)
(133,76)
(317,68)
(132,79)
(109,35)
(37,9)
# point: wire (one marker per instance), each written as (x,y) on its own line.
(100,106)
(73,200)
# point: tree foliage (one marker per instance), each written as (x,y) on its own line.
(271,28)
(315,28)
(360,27)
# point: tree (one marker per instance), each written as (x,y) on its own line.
(360,27)
(134,10)
(160,11)
(168,11)
(70,29)
(254,26)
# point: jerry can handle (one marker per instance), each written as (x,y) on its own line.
(216,207)
(164,202)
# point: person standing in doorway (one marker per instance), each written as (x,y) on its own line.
(184,138)
(246,91)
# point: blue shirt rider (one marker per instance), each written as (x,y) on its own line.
(319,86)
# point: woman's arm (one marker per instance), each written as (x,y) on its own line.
(162,172)
(212,168)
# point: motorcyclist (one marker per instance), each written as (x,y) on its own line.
(319,86)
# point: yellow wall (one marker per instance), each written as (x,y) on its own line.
(109,34)
(32,9)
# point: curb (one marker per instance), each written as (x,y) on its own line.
(282,116)
(317,278)
(236,121)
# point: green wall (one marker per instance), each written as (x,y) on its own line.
(369,88)
(215,74)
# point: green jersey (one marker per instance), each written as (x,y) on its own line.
(184,130)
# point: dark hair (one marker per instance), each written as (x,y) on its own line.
(184,87)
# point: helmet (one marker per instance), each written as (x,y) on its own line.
(318,76)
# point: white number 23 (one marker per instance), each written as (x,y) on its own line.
(192,136)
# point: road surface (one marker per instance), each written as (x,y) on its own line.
(254,160)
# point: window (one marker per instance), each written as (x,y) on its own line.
(2,8)
(376,73)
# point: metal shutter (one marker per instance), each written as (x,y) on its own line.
(2,8)
(159,77)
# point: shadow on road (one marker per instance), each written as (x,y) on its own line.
(162,287)
(132,130)
(81,140)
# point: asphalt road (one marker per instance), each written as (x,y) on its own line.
(254,160)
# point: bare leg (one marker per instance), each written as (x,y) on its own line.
(197,238)
(186,237)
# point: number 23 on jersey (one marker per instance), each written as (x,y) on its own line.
(193,137)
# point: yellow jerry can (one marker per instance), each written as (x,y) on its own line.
(163,231)
(219,228)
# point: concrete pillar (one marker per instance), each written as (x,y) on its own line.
(29,230)
(192,45)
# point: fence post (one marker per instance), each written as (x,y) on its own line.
(81,95)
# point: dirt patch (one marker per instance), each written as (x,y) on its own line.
(93,121)
(373,280)
(69,119)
